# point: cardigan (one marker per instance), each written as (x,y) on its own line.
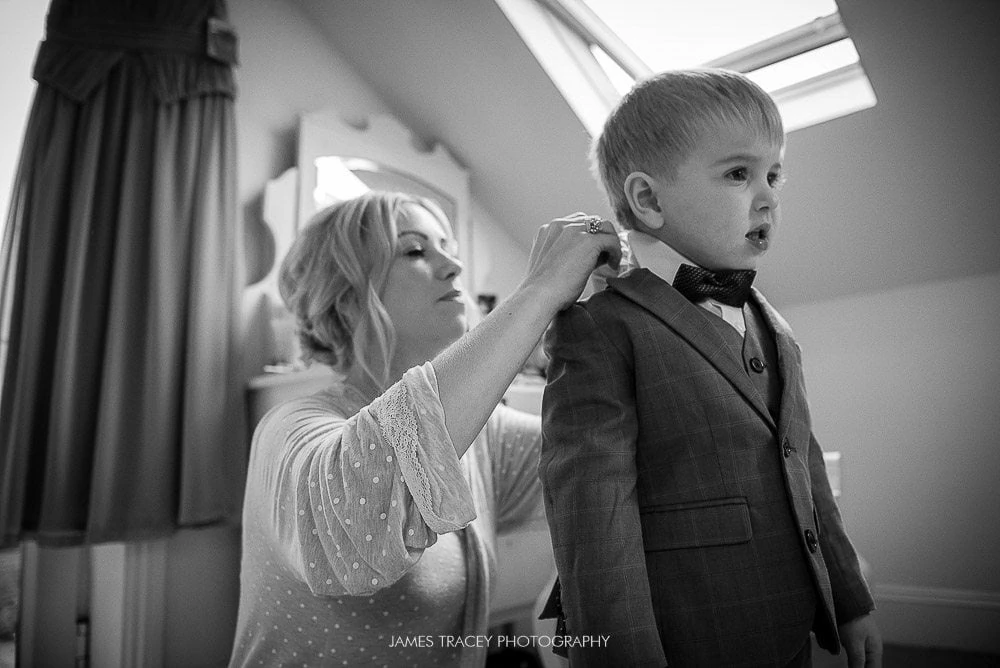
(346,505)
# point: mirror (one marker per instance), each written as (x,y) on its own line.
(339,178)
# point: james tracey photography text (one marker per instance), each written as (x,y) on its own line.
(498,641)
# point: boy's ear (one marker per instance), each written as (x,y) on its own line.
(643,200)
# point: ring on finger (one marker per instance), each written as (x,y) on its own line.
(594,225)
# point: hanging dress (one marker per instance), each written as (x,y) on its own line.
(121,403)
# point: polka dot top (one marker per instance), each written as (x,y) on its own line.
(366,541)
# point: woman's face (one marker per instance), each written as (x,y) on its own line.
(422,293)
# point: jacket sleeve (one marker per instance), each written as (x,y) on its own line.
(851,596)
(588,473)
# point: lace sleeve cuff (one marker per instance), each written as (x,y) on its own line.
(411,419)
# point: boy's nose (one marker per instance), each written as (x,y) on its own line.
(766,199)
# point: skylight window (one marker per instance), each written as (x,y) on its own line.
(798,50)
(668,35)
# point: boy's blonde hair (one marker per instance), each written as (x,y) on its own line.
(656,125)
(333,276)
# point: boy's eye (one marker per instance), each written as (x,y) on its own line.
(738,174)
(776,179)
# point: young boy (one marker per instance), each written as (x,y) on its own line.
(691,515)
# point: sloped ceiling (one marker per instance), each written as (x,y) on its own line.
(899,194)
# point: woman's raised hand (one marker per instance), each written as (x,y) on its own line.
(475,371)
(566,251)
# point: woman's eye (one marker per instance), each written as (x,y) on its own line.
(414,252)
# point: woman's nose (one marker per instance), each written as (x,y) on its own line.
(450,267)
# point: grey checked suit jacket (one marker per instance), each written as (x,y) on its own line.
(660,456)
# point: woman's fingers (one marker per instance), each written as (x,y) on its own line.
(582,233)
(596,225)
(568,249)
(611,253)
(608,242)
(536,246)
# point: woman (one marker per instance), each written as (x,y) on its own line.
(372,508)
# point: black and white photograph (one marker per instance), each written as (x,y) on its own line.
(499,333)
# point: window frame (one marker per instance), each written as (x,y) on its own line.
(562,33)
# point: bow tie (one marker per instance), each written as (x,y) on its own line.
(731,287)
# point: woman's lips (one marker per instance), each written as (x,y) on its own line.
(451,296)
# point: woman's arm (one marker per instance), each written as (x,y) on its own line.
(475,371)
(352,503)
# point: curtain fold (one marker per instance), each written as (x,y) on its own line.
(121,408)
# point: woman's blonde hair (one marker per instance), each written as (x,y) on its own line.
(333,276)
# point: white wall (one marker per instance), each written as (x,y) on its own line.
(286,67)
(499,260)
(904,384)
(21,26)
(898,194)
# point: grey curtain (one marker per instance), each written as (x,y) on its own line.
(121,410)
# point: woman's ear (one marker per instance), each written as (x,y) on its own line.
(643,200)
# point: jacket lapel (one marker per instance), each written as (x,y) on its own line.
(692,324)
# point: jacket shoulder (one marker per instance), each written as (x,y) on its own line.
(608,304)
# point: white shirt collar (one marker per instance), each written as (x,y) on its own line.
(661,259)
(657,256)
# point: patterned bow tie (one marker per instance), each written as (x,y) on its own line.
(730,287)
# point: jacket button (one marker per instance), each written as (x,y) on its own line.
(757,364)
(811,541)
(787,449)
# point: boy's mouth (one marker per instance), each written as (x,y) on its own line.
(760,236)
